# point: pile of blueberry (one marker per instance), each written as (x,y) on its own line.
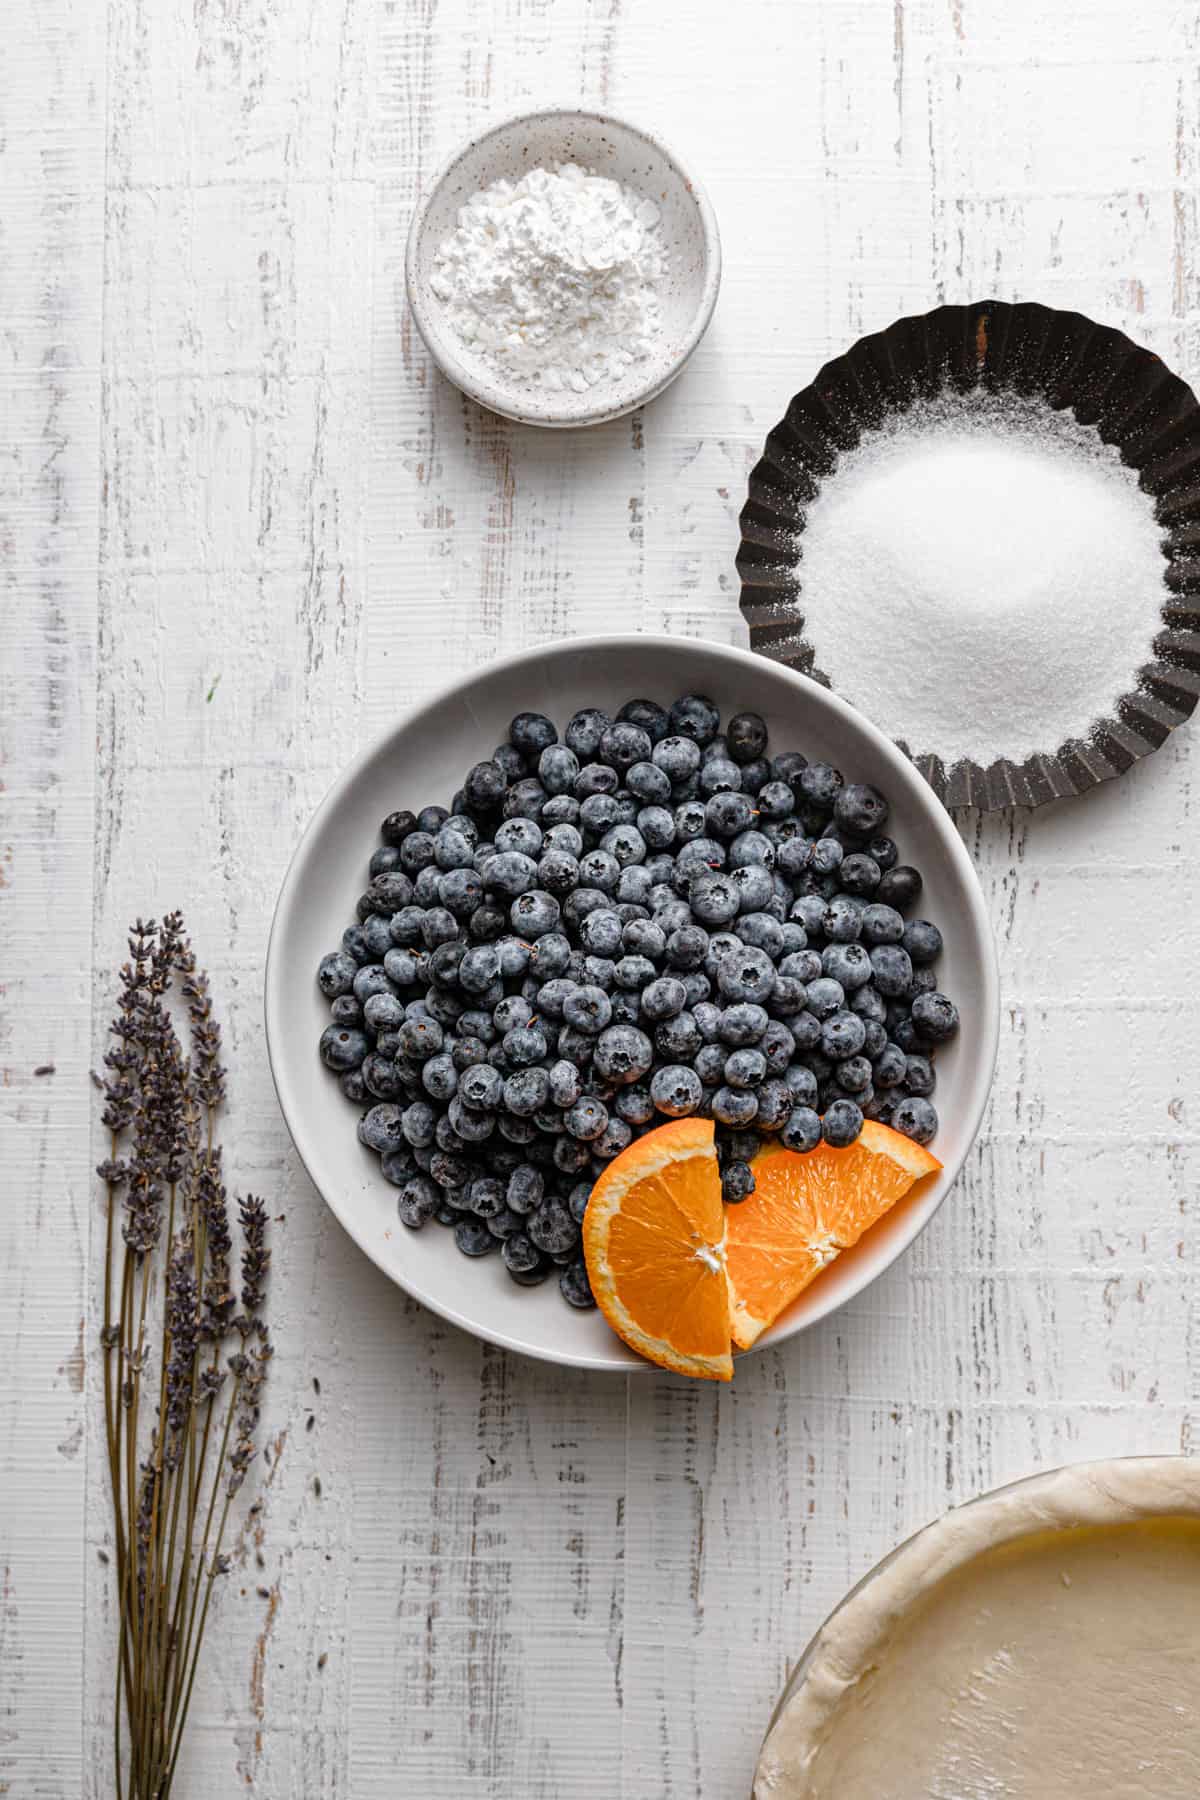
(649,919)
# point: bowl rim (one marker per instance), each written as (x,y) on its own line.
(1057,1486)
(292,887)
(505,401)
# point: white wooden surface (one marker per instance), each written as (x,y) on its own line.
(242,523)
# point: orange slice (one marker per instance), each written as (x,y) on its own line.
(804,1211)
(654,1241)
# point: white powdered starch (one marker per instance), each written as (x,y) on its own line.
(983,577)
(554,279)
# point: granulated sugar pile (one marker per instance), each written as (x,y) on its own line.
(983,578)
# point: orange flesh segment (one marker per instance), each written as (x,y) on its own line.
(654,1237)
(804,1211)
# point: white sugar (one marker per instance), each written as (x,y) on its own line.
(982,577)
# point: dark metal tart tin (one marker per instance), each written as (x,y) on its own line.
(1124,391)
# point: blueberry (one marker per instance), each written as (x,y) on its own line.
(686,947)
(439,1077)
(552,1228)
(345,1010)
(788,997)
(842,1035)
(820,785)
(854,1074)
(574,1286)
(916,1118)
(734,1106)
(586,1119)
(923,942)
(383,1012)
(625,844)
(746,735)
(742,1024)
(842,921)
(525,1045)
(615,1137)
(900,887)
(584,731)
(335,974)
(729,814)
(678,1038)
(842,1124)
(623,1053)
(924,981)
(523,1260)
(397,826)
(648,783)
(802,965)
(809,911)
(510,872)
(634,1105)
(719,775)
(691,820)
(676,1090)
(587,1008)
(778,1047)
(460,892)
(847,964)
(526,1188)
(569,1155)
(889,1067)
(595,781)
(695,716)
(452,850)
(530,733)
(775,800)
(801,1084)
(709,1064)
(825,997)
(859,875)
(342,1047)
(417,1201)
(737,1182)
(549,956)
(600,932)
(714,899)
(935,1017)
(354,943)
(881,924)
(892,969)
(905,1033)
(677,757)
(534,913)
(473,1238)
(746,975)
(525,1091)
(521,835)
(663,998)
(625,744)
(417,852)
(745,1069)
(860,810)
(919,1078)
(421,1037)
(525,800)
(801,1129)
(563,839)
(657,826)
(598,814)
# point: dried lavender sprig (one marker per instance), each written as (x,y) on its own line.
(206,1033)
(256,1258)
(151,1086)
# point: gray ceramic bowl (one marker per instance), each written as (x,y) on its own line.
(608,146)
(423,758)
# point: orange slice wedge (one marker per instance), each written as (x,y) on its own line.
(804,1211)
(654,1241)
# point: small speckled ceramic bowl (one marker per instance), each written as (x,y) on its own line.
(605,146)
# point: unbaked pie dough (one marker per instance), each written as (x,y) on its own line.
(1040,1644)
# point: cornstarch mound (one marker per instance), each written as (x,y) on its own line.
(983,577)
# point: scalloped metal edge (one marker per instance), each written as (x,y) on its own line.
(1123,390)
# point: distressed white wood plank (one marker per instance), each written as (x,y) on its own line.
(481,1577)
(51,170)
